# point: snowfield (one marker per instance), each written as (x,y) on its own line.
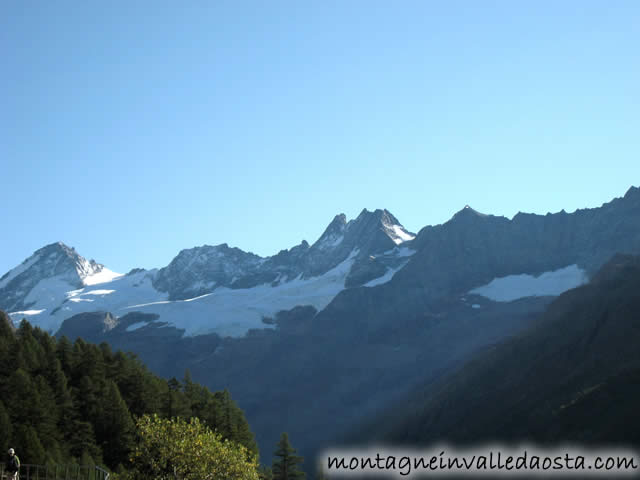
(56,299)
(225,311)
(513,287)
(103,276)
(232,312)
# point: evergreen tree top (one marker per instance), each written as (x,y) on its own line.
(287,464)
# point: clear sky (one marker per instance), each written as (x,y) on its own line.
(133,129)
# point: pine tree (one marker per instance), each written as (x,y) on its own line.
(64,351)
(286,465)
(81,439)
(6,326)
(86,460)
(176,403)
(7,350)
(87,397)
(28,445)
(6,429)
(23,399)
(116,428)
(65,412)
(142,392)
(30,354)
(194,394)
(265,473)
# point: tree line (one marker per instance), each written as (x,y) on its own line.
(64,402)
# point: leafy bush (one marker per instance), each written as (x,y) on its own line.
(177,449)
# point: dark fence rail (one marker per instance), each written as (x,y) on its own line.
(57,472)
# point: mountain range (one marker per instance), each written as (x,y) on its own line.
(210,289)
(319,338)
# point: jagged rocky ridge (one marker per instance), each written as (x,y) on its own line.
(197,271)
(241,288)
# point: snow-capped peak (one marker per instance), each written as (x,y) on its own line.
(52,260)
(394,229)
(89,271)
(56,263)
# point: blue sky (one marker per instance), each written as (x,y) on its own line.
(131,130)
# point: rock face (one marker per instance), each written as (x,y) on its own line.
(369,234)
(88,325)
(200,270)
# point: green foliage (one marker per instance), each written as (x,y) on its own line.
(286,464)
(265,473)
(177,449)
(114,426)
(221,413)
(6,429)
(62,402)
(28,445)
(87,460)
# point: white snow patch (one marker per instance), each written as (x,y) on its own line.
(397,233)
(162,302)
(402,234)
(388,275)
(475,305)
(98,292)
(513,287)
(78,295)
(103,276)
(136,326)
(27,312)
